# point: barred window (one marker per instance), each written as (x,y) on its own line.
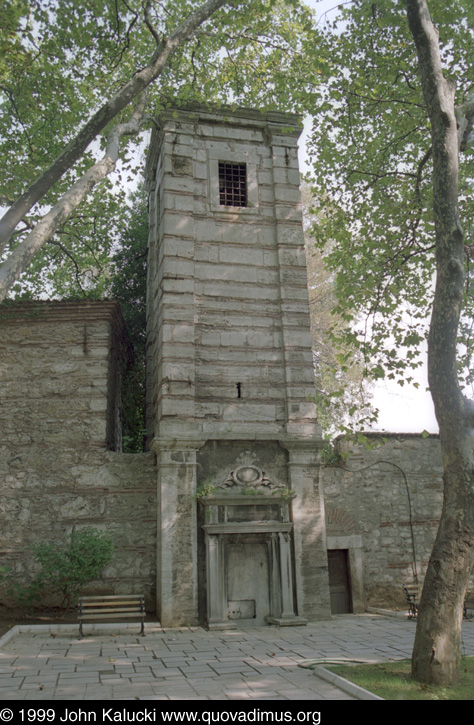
(232,184)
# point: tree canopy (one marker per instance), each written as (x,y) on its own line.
(73,76)
(373,163)
(343,391)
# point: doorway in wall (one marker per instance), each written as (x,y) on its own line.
(339,581)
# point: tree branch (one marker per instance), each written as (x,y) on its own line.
(148,22)
(465,119)
(68,254)
(131,90)
(22,255)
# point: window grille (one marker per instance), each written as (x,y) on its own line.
(232,184)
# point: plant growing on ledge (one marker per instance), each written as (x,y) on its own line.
(206,488)
(287,493)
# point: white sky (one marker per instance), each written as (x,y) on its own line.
(402,409)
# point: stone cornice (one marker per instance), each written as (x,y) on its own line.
(289,125)
(174,444)
(83,312)
(46,310)
(235,116)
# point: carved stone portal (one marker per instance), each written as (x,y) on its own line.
(249,578)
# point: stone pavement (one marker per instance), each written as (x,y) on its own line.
(114,663)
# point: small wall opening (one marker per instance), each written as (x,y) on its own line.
(232,184)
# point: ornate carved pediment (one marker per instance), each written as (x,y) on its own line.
(249,477)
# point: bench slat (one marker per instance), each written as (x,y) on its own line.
(125,606)
(111,597)
(122,610)
(120,603)
(115,615)
(412,594)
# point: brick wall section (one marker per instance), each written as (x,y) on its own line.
(59,370)
(372,501)
(60,367)
(45,495)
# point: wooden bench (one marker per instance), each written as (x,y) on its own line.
(119,606)
(413,595)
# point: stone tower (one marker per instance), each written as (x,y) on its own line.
(241,535)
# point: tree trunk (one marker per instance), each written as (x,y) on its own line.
(437,647)
(436,653)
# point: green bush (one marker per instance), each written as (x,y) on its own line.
(25,596)
(65,569)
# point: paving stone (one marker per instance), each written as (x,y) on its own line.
(253,664)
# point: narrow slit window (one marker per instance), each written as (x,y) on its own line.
(232,184)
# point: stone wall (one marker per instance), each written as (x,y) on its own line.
(43,498)
(61,468)
(60,460)
(60,365)
(384,511)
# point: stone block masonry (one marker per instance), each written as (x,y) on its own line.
(61,465)
(60,367)
(227,285)
(229,516)
(383,505)
(229,360)
(46,494)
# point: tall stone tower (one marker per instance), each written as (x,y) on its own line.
(241,534)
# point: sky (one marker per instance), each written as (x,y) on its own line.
(401,409)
